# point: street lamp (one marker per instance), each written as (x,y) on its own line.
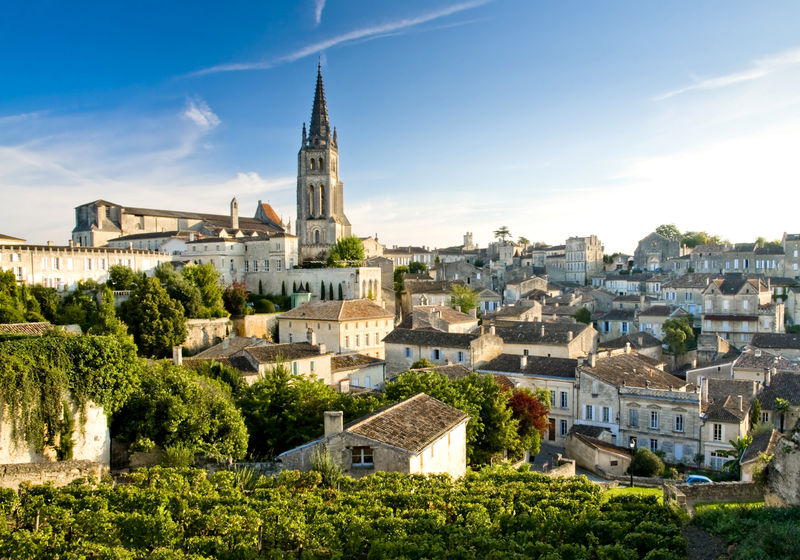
(632,446)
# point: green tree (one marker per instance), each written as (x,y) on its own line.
(206,278)
(235,299)
(739,446)
(283,288)
(583,315)
(322,290)
(530,410)
(156,321)
(347,251)
(12,309)
(49,301)
(463,298)
(783,407)
(107,322)
(340,292)
(755,414)
(678,335)
(415,267)
(670,231)
(121,277)
(646,463)
(523,241)
(422,363)
(479,263)
(491,429)
(260,288)
(502,233)
(175,406)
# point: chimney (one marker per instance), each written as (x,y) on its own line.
(523,362)
(481,330)
(641,301)
(311,337)
(491,329)
(544,300)
(334,422)
(473,313)
(704,389)
(569,336)
(768,377)
(49,243)
(191,236)
(226,342)
(542,330)
(177,355)
(234,214)
(592,360)
(71,243)
(627,347)
(322,348)
(741,403)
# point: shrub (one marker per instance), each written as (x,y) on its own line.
(178,455)
(646,463)
(323,463)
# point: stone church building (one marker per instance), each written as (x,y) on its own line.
(320,207)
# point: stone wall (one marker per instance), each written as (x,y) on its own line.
(59,473)
(687,495)
(204,333)
(259,324)
(783,474)
(566,467)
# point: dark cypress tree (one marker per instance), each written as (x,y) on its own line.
(340,292)
(283,288)
(330,291)
(322,290)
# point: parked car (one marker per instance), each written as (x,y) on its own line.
(698,479)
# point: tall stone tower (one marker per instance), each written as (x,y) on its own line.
(320,209)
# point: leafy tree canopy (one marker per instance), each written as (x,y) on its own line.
(235,299)
(670,231)
(463,298)
(415,267)
(502,233)
(155,320)
(678,335)
(346,252)
(583,315)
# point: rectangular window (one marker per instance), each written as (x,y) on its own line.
(606,414)
(595,388)
(653,420)
(564,399)
(313,365)
(366,339)
(358,340)
(406,351)
(460,357)
(255,265)
(436,354)
(362,457)
(717,459)
(367,381)
(347,342)
(247,266)
(266,265)
(653,445)
(588,413)
(679,422)
(764,416)
(717,432)
(633,417)
(294,368)
(552,399)
(564,427)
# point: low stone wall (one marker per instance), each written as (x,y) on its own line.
(204,333)
(59,473)
(641,481)
(566,467)
(687,495)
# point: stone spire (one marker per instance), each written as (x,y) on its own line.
(320,127)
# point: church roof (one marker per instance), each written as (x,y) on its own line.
(320,126)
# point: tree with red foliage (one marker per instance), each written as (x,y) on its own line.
(530,410)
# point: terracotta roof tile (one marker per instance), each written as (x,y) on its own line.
(347,310)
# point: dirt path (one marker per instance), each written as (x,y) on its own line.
(701,545)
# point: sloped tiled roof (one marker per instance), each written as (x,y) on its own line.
(447,314)
(764,442)
(761,359)
(288,351)
(776,340)
(347,310)
(536,365)
(430,337)
(637,341)
(452,371)
(661,311)
(342,362)
(531,332)
(632,370)
(230,346)
(412,424)
(784,385)
(33,329)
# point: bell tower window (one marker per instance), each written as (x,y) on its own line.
(320,164)
(311,163)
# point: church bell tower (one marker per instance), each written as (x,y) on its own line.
(320,212)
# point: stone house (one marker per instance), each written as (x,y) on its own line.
(420,435)
(301,358)
(784,385)
(406,346)
(557,375)
(583,258)
(462,271)
(63,267)
(763,445)
(652,319)
(791,251)
(426,292)
(793,306)
(641,342)
(359,370)
(167,242)
(687,293)
(632,397)
(403,256)
(632,303)
(617,322)
(786,345)
(623,282)
(343,326)
(592,452)
(747,258)
(372,247)
(515,291)
(557,340)
(555,264)
(521,311)
(489,300)
(725,406)
(653,250)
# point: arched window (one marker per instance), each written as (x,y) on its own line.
(316,237)
(311,163)
(321,207)
(311,200)
(320,164)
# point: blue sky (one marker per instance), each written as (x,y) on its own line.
(553,118)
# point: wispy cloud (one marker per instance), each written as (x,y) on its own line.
(371,32)
(201,114)
(759,69)
(319,5)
